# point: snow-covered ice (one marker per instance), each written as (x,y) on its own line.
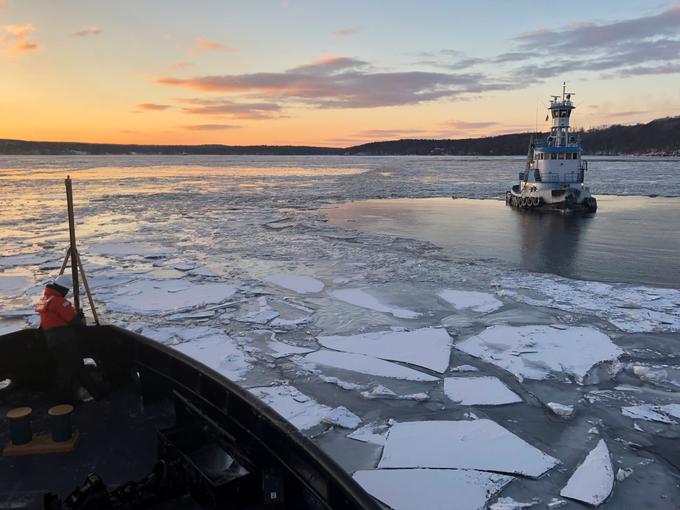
(476,301)
(342,417)
(478,444)
(150,297)
(11,325)
(296,407)
(426,347)
(432,489)
(560,409)
(593,480)
(511,504)
(374,433)
(650,412)
(12,284)
(282,349)
(365,365)
(540,352)
(483,391)
(219,352)
(361,297)
(297,283)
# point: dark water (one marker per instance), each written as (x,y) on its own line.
(629,239)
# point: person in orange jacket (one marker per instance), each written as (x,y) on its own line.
(61,323)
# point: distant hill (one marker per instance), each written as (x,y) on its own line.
(17,147)
(658,137)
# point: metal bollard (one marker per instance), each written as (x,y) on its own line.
(60,422)
(20,425)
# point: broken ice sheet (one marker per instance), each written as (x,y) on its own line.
(374,433)
(432,489)
(539,352)
(479,444)
(342,417)
(281,349)
(14,283)
(426,347)
(360,297)
(296,407)
(297,283)
(219,352)
(482,391)
(149,297)
(650,412)
(380,391)
(365,365)
(10,326)
(593,480)
(482,302)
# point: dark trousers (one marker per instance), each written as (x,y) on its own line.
(69,370)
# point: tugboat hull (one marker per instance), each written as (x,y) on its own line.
(563,200)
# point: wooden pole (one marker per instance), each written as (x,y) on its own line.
(87,287)
(72,236)
(66,258)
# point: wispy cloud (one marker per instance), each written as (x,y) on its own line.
(153,107)
(88,31)
(340,82)
(14,39)
(182,64)
(209,127)
(345,32)
(202,44)
(461,124)
(234,109)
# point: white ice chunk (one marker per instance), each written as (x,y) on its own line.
(370,433)
(426,347)
(342,417)
(465,368)
(510,504)
(380,391)
(296,407)
(366,365)
(218,352)
(560,409)
(432,489)
(592,482)
(281,349)
(479,444)
(297,283)
(649,412)
(149,297)
(477,301)
(537,352)
(359,297)
(483,391)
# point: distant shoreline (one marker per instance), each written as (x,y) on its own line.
(660,137)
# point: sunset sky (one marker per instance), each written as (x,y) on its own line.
(331,73)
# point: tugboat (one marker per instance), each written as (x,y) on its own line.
(553,178)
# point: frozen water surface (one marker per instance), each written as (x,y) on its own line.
(593,481)
(477,444)
(254,266)
(484,391)
(434,489)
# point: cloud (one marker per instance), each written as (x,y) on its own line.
(88,31)
(341,82)
(204,44)
(237,110)
(209,127)
(14,39)
(153,107)
(461,124)
(344,32)
(182,64)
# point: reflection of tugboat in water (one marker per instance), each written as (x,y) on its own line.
(553,177)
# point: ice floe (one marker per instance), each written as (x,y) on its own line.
(342,417)
(510,504)
(296,407)
(150,297)
(10,326)
(380,391)
(297,283)
(128,248)
(484,391)
(360,297)
(476,301)
(650,412)
(281,349)
(631,309)
(539,352)
(365,365)
(426,347)
(219,352)
(432,489)
(478,444)
(12,284)
(593,480)
(560,409)
(374,433)
(464,368)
